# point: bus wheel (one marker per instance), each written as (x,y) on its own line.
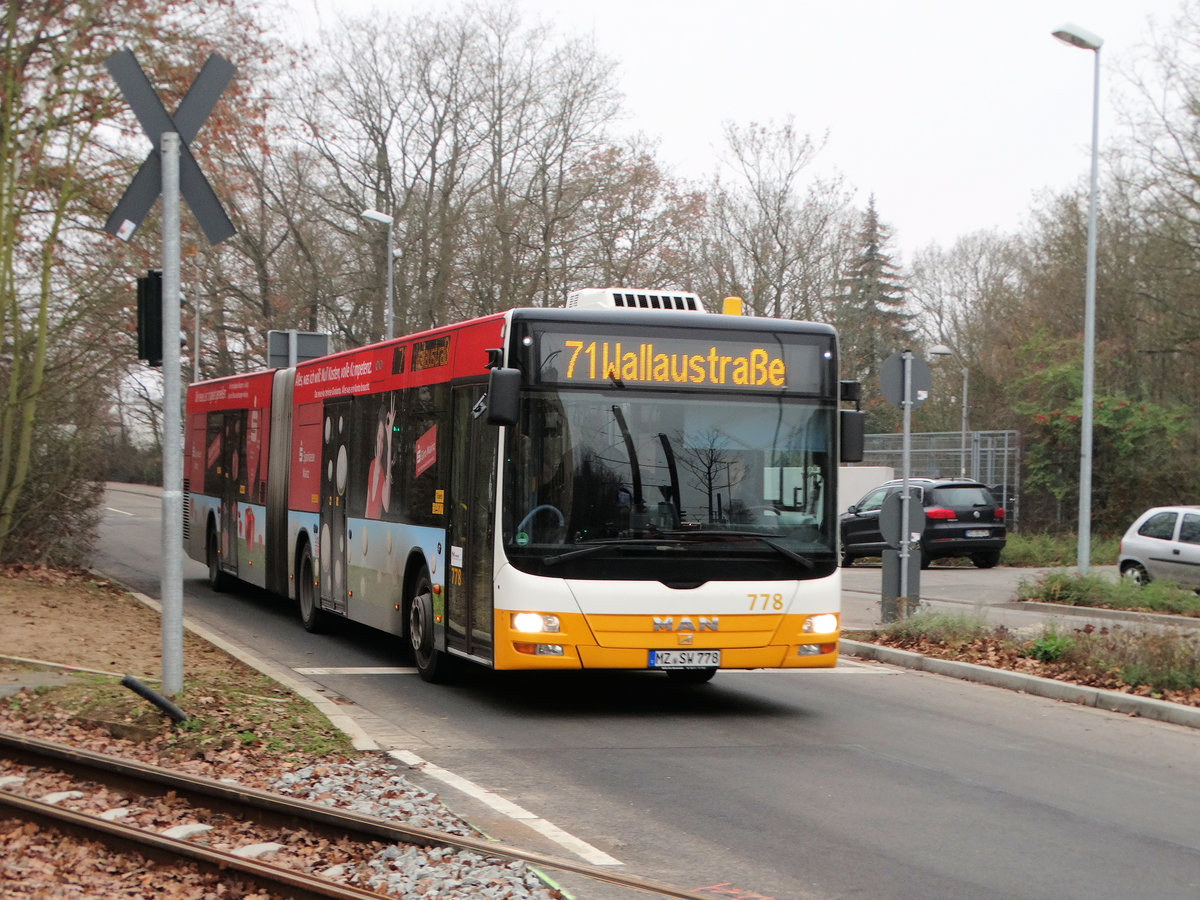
(691,676)
(306,592)
(432,664)
(217,579)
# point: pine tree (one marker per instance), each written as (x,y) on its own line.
(870,310)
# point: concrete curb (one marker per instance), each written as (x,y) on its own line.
(1115,701)
(1117,615)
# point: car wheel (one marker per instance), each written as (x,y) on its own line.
(846,558)
(1135,572)
(985,559)
(926,561)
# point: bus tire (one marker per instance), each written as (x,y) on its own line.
(307,594)
(218,579)
(433,665)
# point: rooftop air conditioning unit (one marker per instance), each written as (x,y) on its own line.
(629,298)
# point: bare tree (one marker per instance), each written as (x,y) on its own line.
(774,239)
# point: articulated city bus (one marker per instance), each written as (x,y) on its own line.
(630,482)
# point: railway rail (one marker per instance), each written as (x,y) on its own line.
(227,828)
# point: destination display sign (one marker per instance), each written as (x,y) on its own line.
(701,362)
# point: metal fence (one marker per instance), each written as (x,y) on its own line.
(991,457)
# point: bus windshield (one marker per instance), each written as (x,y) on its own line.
(645,484)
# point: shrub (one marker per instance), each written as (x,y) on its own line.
(1050,647)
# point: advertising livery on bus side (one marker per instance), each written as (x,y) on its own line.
(631,482)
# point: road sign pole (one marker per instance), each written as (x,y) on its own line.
(906,468)
(172,494)
(905,380)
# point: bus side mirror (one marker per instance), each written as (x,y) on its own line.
(503,396)
(854,428)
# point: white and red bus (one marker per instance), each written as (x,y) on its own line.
(627,483)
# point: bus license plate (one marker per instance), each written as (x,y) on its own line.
(685,659)
(977,532)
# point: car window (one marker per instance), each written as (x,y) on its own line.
(960,497)
(873,500)
(1189,531)
(1160,525)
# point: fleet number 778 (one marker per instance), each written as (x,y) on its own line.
(765,601)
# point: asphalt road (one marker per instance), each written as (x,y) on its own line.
(864,781)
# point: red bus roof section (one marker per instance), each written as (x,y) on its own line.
(429,357)
(251,391)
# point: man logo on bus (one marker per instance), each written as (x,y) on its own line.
(667,623)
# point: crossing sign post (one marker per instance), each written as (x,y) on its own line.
(170,170)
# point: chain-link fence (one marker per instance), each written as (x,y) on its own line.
(991,457)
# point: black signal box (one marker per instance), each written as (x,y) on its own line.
(149,317)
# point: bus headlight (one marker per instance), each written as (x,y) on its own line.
(822,624)
(534,623)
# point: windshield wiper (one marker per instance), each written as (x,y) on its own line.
(689,537)
(717,534)
(596,546)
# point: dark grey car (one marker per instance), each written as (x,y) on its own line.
(962,519)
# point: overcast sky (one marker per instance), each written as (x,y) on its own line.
(955,114)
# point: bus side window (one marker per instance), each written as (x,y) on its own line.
(426,445)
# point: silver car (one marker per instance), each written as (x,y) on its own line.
(1163,543)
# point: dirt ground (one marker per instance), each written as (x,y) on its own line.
(75,619)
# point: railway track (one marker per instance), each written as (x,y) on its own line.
(285,846)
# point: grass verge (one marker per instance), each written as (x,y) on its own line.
(237,709)
(1162,663)
(1071,589)
(1045,550)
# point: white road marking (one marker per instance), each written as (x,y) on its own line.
(357,670)
(577,846)
(121,511)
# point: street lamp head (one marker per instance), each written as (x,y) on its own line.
(940,350)
(376,216)
(1078,37)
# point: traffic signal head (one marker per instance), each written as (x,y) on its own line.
(149,318)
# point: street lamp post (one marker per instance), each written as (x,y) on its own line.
(375,215)
(943,350)
(962,465)
(1085,40)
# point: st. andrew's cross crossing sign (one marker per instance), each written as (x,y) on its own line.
(189,118)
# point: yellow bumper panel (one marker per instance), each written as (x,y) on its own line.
(624,642)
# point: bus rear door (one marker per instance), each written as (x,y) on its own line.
(226,479)
(335,475)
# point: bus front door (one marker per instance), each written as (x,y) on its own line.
(469,611)
(335,474)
